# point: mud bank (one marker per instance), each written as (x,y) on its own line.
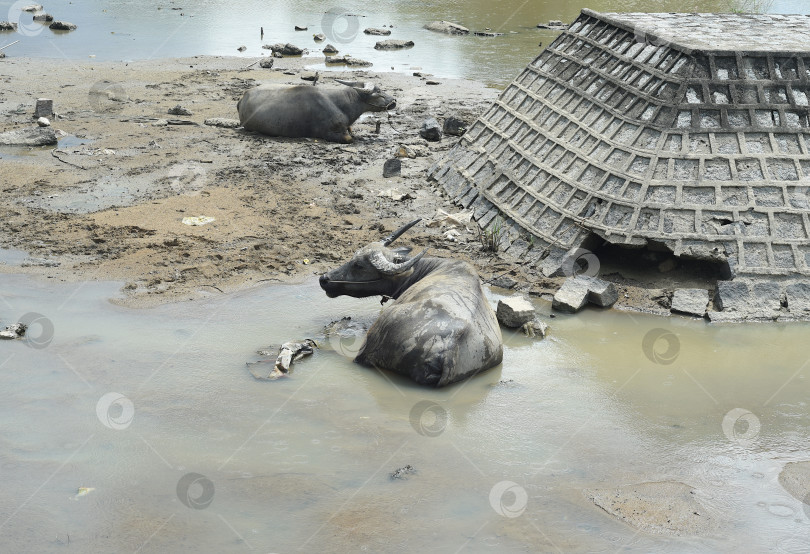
(108,202)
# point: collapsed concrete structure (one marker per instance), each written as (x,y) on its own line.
(687,132)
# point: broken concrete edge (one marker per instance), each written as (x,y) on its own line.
(579,290)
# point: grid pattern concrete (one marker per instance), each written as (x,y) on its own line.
(637,128)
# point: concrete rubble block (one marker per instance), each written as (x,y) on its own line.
(747,300)
(515,311)
(731,295)
(44,122)
(44,108)
(29,136)
(600,292)
(392,168)
(430,130)
(455,126)
(572,296)
(690,301)
(798,299)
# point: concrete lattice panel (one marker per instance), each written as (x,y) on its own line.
(689,130)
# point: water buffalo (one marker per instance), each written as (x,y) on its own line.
(305,111)
(439,330)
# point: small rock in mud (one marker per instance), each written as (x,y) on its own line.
(320,37)
(430,130)
(179,110)
(403,472)
(223,122)
(329,49)
(44,108)
(44,122)
(515,311)
(392,168)
(377,32)
(266,63)
(242,48)
(43,17)
(29,136)
(286,49)
(7,26)
(535,329)
(454,126)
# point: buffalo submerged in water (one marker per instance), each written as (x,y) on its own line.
(307,111)
(440,329)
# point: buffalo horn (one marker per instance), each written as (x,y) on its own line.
(356,84)
(385,267)
(398,233)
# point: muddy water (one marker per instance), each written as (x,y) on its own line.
(191,453)
(120,30)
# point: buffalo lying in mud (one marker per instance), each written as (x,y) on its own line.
(439,330)
(305,111)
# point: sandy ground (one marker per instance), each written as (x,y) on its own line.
(108,202)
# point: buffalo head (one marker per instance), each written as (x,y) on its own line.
(371,95)
(374,270)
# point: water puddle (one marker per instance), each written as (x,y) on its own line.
(154,414)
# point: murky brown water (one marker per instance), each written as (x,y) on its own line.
(120,30)
(304,464)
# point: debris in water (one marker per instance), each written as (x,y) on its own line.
(403,472)
(83,491)
(288,353)
(14,331)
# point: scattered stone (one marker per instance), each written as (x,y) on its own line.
(347,60)
(2,55)
(286,49)
(223,122)
(690,301)
(396,196)
(320,37)
(393,44)
(515,311)
(572,296)
(600,292)
(62,26)
(7,26)
(160,123)
(181,122)
(377,32)
(535,329)
(179,110)
(502,281)
(795,478)
(46,17)
(403,472)
(44,108)
(392,168)
(403,151)
(266,63)
(487,34)
(447,27)
(29,136)
(329,49)
(554,24)
(298,28)
(242,48)
(14,331)
(44,122)
(432,83)
(454,126)
(33,8)
(430,130)
(668,507)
